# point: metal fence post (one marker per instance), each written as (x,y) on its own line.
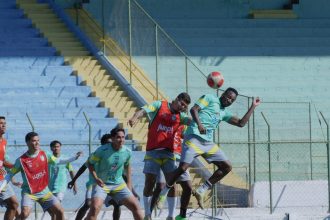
(328,159)
(269,167)
(89,134)
(156,51)
(130,40)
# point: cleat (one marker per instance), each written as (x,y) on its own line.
(169,218)
(147,217)
(161,201)
(200,198)
(178,217)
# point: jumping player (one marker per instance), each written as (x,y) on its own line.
(207,113)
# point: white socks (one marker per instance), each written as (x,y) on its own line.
(164,191)
(204,187)
(147,204)
(171,201)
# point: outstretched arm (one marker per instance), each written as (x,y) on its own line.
(137,115)
(78,174)
(65,161)
(241,122)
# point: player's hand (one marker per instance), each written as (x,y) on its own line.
(131,122)
(99,182)
(201,129)
(256,101)
(70,184)
(79,153)
(17,184)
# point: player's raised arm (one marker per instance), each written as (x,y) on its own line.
(137,115)
(234,120)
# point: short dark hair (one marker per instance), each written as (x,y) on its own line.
(54,142)
(115,131)
(3,117)
(30,135)
(105,139)
(230,89)
(184,97)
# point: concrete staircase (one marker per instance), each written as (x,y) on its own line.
(85,66)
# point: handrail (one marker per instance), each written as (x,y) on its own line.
(89,133)
(269,167)
(114,47)
(30,121)
(172,41)
(328,157)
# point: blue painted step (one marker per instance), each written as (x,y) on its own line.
(51,92)
(19,41)
(28,61)
(242,23)
(47,102)
(249,32)
(53,123)
(49,112)
(14,22)
(33,52)
(38,70)
(25,80)
(11,13)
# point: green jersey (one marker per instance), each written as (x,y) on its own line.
(58,174)
(211,114)
(110,163)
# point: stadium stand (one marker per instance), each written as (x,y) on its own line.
(280,60)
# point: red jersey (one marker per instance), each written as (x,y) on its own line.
(36,171)
(3,144)
(163,128)
(177,142)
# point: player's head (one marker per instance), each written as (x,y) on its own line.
(3,125)
(55,147)
(32,141)
(180,104)
(228,97)
(105,139)
(117,137)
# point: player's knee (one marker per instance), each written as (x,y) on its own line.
(182,169)
(226,168)
(12,205)
(94,208)
(187,188)
(58,210)
(25,213)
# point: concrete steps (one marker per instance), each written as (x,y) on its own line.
(76,55)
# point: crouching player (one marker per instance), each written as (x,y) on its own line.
(110,161)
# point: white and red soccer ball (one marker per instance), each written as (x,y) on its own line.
(215,80)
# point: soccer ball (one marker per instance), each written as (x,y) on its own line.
(215,80)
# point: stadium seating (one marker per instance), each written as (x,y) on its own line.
(36,83)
